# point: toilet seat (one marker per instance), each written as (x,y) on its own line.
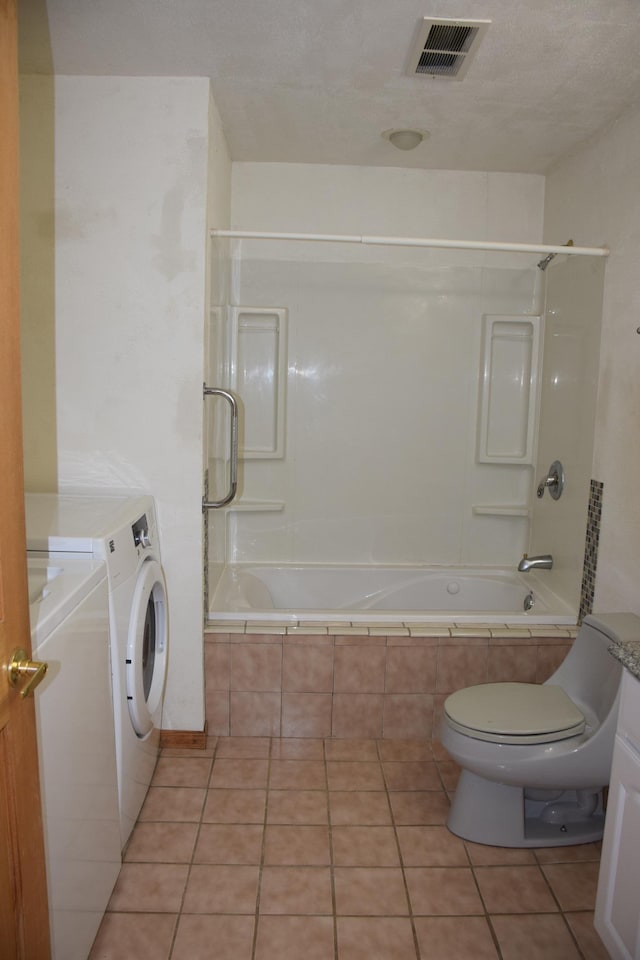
(514,713)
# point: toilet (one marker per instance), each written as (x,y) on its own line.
(536,757)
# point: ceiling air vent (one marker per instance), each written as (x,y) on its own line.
(445,48)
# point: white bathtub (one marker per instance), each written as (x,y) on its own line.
(357,594)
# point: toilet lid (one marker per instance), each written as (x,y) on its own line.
(514,713)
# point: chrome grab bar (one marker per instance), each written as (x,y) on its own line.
(233,465)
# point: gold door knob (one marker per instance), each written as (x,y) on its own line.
(20,668)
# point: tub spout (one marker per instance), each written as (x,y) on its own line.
(544,562)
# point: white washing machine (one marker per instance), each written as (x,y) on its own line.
(122,531)
(76,747)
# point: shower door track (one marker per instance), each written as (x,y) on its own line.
(488,245)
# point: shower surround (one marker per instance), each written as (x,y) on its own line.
(372,455)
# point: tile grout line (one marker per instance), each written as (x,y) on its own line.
(487,915)
(557,901)
(191,858)
(441,779)
(254,943)
(414,932)
(332,878)
(583,955)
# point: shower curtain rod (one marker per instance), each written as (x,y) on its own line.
(417,242)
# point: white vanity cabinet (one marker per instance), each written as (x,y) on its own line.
(617,915)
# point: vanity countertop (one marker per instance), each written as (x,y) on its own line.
(628,653)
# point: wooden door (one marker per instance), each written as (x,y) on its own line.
(24,920)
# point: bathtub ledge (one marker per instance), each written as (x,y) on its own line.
(483,633)
(266,628)
(511,633)
(429,632)
(497,632)
(225,626)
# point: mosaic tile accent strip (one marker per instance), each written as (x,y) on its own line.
(205,537)
(594,517)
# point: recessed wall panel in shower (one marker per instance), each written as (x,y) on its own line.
(259,374)
(509,389)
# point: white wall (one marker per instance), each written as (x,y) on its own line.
(376,200)
(384,361)
(594,197)
(131,169)
(37,282)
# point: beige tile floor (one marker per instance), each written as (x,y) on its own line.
(260,849)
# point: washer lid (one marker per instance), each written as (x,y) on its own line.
(69,523)
(514,713)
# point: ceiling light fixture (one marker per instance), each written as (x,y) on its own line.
(405,139)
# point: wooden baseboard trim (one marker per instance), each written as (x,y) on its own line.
(184,739)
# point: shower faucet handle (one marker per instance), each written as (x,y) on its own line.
(547,482)
(554,481)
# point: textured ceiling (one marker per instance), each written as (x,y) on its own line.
(317,81)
